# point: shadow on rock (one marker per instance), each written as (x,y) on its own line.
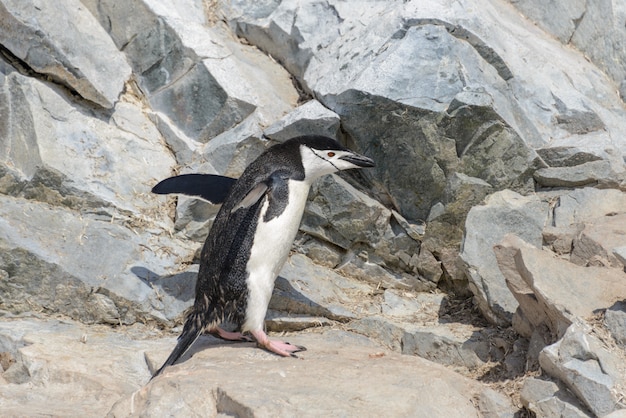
(180,286)
(287,298)
(207,341)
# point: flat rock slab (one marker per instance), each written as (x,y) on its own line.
(63,368)
(598,241)
(504,212)
(63,41)
(78,256)
(459,345)
(66,369)
(565,290)
(591,371)
(306,288)
(547,399)
(341,374)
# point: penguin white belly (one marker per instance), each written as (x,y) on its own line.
(270,249)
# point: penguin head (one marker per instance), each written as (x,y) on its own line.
(322,155)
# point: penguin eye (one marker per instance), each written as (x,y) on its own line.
(331,154)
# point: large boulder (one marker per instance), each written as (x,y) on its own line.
(592,28)
(590,371)
(63,41)
(197,78)
(469,106)
(462,104)
(504,213)
(106,373)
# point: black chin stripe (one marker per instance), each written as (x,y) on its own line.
(328,161)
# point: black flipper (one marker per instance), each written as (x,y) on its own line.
(191,331)
(210,187)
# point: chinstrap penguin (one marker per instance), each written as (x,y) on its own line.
(252,235)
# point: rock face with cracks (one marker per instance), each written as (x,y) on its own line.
(499,133)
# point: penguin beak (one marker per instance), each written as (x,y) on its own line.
(358,160)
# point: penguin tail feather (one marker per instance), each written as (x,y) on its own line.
(191,331)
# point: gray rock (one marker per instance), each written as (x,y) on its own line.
(620,413)
(463,192)
(353,221)
(92,367)
(578,23)
(396,304)
(529,314)
(435,115)
(620,254)
(586,367)
(413,230)
(198,78)
(504,212)
(194,218)
(386,383)
(19,153)
(319,251)
(58,271)
(460,346)
(496,405)
(557,291)
(279,322)
(289,31)
(558,19)
(231,152)
(541,337)
(361,268)
(331,211)
(428,266)
(597,241)
(565,156)
(479,114)
(587,204)
(62,154)
(52,357)
(311,118)
(615,321)
(227,154)
(589,173)
(490,103)
(63,41)
(358,109)
(372,43)
(548,399)
(445,347)
(560,240)
(304,288)
(409,134)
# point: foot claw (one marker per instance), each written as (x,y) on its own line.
(298,347)
(284,349)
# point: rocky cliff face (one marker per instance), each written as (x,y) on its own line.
(499,132)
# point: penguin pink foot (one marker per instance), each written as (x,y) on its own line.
(229,336)
(281,348)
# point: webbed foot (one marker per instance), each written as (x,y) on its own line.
(284,349)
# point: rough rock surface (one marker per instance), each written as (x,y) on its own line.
(561,289)
(589,370)
(579,23)
(504,213)
(51,356)
(44,36)
(485,119)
